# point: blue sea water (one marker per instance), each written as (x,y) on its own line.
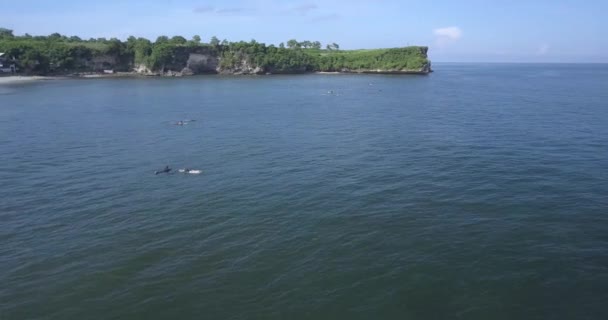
(477,192)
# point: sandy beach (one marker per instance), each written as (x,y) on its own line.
(7,80)
(23,79)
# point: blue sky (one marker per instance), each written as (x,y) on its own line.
(466,30)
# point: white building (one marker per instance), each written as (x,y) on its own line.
(6,65)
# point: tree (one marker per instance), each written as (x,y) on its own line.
(225,42)
(115,47)
(162,54)
(33,60)
(162,39)
(6,33)
(306,44)
(55,36)
(214,41)
(316,45)
(179,40)
(75,39)
(282,45)
(196,39)
(142,49)
(293,44)
(333,46)
(131,41)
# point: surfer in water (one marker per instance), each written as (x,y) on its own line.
(165,170)
(190,171)
(183,122)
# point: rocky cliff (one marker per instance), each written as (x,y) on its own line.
(200,61)
(61,55)
(209,60)
(186,61)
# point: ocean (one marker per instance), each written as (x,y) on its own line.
(479,191)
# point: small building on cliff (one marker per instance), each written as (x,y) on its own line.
(7,65)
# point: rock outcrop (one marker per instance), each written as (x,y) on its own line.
(424,70)
(198,63)
(241,67)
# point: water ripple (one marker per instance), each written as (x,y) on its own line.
(467,194)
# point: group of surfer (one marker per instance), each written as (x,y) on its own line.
(182,122)
(168,170)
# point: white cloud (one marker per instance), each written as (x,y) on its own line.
(542,50)
(447,35)
(452,33)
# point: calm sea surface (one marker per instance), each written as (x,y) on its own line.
(477,192)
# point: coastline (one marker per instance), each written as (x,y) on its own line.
(17,79)
(395,72)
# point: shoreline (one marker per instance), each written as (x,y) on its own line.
(16,79)
(387,72)
(25,79)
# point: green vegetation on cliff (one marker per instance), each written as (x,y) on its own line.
(61,54)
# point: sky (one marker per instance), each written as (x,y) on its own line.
(454,31)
